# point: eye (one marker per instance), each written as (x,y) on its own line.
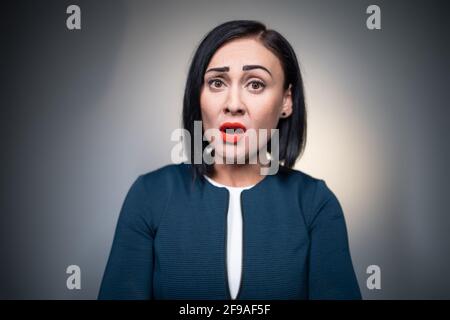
(256,85)
(215,83)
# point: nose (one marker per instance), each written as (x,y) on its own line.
(234,105)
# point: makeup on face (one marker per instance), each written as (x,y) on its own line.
(242,92)
(244,68)
(232,132)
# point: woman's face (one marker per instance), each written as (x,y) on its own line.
(243,85)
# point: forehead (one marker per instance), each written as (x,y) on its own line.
(245,51)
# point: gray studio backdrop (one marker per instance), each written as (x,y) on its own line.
(84,112)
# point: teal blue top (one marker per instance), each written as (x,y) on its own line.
(170,240)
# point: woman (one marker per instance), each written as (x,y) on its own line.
(223,230)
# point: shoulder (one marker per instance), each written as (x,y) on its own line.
(161,182)
(156,186)
(165,178)
(150,194)
(313,192)
(304,182)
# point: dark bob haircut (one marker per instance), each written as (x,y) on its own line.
(292,130)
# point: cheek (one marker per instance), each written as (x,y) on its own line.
(264,112)
(206,108)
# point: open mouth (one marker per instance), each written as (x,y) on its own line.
(232,132)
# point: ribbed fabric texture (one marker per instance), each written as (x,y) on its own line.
(234,236)
(170,240)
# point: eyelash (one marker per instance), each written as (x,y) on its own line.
(260,83)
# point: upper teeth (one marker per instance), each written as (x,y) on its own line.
(232,130)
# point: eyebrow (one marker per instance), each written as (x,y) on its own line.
(244,68)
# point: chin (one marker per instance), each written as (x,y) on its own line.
(230,154)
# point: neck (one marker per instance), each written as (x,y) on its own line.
(237,175)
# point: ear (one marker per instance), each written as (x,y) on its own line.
(286,109)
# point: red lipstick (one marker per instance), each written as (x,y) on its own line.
(232,131)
